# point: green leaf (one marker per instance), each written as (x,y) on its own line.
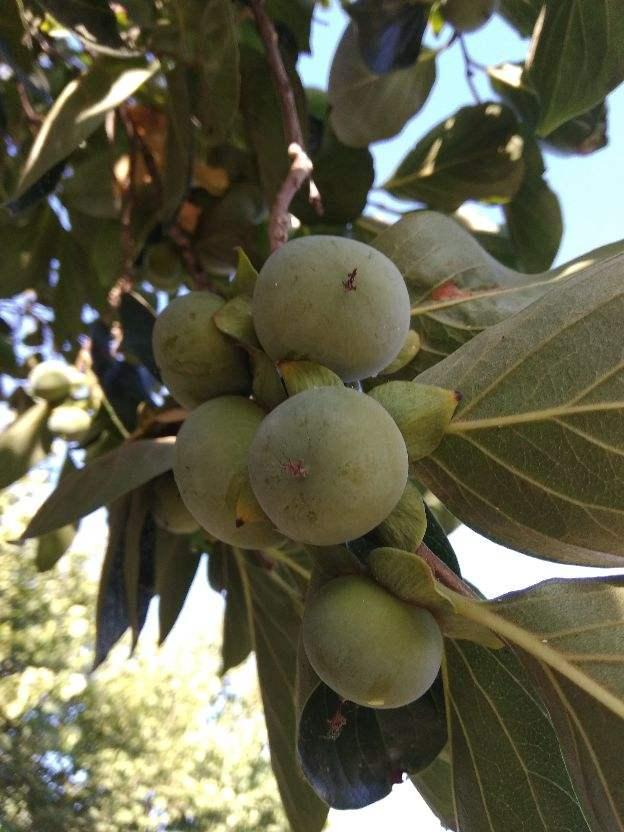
(582,620)
(267,385)
(14,40)
(305,375)
(79,110)
(102,481)
(176,565)
(246,275)
(421,412)
(367,107)
(28,243)
(576,57)
(535,224)
(236,645)
(405,526)
(458,289)
(91,20)
(52,546)
(275,620)
(296,15)
(137,322)
(405,356)
(475,154)
(176,176)
(522,14)
(77,286)
(209,47)
(234,319)
(20,444)
(497,468)
(503,743)
(138,560)
(435,786)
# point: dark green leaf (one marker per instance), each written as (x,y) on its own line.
(576,57)
(176,177)
(475,154)
(176,565)
(79,110)
(92,20)
(389,32)
(77,285)
(40,189)
(28,243)
(52,546)
(139,560)
(496,469)
(137,322)
(522,14)
(535,224)
(296,15)
(503,743)
(100,482)
(437,540)
(583,134)
(367,107)
(14,41)
(275,620)
(237,644)
(435,786)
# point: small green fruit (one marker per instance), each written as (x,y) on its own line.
(51,381)
(334,301)
(212,449)
(168,508)
(196,361)
(368,646)
(328,465)
(162,266)
(69,422)
(468,15)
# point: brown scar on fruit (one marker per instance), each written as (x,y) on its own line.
(295,468)
(349,283)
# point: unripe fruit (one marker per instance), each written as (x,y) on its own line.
(334,301)
(168,508)
(368,646)
(468,15)
(328,465)
(50,380)
(69,422)
(162,266)
(212,448)
(196,361)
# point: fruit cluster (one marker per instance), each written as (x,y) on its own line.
(328,464)
(61,385)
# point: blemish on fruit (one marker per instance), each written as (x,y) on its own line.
(349,283)
(295,468)
(335,725)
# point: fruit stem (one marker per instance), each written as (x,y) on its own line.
(444,573)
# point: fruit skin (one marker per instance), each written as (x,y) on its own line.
(51,381)
(328,465)
(468,15)
(168,508)
(70,422)
(368,646)
(334,301)
(162,266)
(211,455)
(196,361)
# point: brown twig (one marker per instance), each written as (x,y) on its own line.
(300,163)
(470,65)
(443,573)
(189,257)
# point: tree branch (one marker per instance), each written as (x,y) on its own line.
(301,166)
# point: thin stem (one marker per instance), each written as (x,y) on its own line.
(300,164)
(470,68)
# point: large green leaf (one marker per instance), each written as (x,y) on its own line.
(507,769)
(576,57)
(435,785)
(28,243)
(100,482)
(92,20)
(367,107)
(274,612)
(176,565)
(535,224)
(457,289)
(79,110)
(570,635)
(522,14)
(477,153)
(534,457)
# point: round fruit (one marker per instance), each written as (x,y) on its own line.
(69,421)
(50,380)
(331,300)
(169,511)
(328,465)
(211,459)
(368,646)
(468,15)
(162,266)
(196,361)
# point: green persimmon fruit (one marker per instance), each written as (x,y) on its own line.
(51,380)
(69,422)
(168,508)
(162,266)
(369,646)
(468,15)
(196,361)
(212,448)
(338,302)
(328,465)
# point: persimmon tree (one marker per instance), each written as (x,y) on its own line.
(331,392)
